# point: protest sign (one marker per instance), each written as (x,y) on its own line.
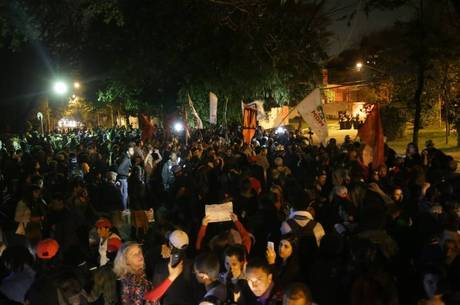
(219,212)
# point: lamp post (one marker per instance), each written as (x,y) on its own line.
(59,88)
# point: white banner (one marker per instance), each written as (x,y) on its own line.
(277,116)
(198,121)
(212,108)
(311,110)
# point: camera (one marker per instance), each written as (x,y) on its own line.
(177,255)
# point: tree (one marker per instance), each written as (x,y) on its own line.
(411,54)
(154,51)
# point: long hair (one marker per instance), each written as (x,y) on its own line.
(120,265)
(15,258)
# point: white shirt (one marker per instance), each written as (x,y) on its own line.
(103,249)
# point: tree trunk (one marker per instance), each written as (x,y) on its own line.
(127,119)
(112,123)
(421,67)
(418,101)
(457,127)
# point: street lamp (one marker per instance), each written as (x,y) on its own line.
(76,85)
(360,65)
(60,87)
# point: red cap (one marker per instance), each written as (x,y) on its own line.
(47,248)
(103,223)
(113,244)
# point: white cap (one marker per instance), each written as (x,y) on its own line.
(178,239)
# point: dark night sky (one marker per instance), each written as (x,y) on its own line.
(346,36)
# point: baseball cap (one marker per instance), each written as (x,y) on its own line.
(103,223)
(178,239)
(47,248)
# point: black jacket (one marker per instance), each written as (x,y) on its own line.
(124,167)
(184,290)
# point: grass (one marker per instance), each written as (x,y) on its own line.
(434,133)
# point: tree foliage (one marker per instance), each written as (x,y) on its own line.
(151,52)
(414,55)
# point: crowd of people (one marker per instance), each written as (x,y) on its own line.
(101,217)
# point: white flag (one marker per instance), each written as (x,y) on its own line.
(198,121)
(311,110)
(212,108)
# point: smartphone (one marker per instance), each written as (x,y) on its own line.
(271,245)
(176,257)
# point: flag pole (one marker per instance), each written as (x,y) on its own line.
(225,119)
(187,131)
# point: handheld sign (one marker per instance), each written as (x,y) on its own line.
(219,212)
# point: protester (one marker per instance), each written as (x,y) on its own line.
(261,282)
(297,294)
(105,280)
(104,231)
(129,267)
(184,289)
(354,234)
(206,269)
(123,174)
(21,274)
(241,236)
(167,173)
(287,270)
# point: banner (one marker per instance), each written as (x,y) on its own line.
(249,123)
(212,108)
(197,120)
(371,133)
(259,106)
(277,116)
(311,110)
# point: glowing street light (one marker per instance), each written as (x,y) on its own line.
(76,85)
(60,88)
(360,66)
(178,127)
(280,130)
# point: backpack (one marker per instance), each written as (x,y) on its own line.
(302,232)
(307,248)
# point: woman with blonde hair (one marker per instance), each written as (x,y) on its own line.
(129,268)
(135,288)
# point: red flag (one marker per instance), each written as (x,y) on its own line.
(147,128)
(371,133)
(249,123)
